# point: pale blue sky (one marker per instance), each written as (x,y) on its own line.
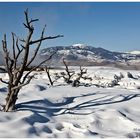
(112,25)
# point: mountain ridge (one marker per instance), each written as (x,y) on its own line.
(86,55)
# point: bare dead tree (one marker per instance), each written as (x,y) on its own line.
(67,77)
(47,69)
(21,48)
(82,75)
(83,71)
(52,81)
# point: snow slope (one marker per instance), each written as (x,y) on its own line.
(63,111)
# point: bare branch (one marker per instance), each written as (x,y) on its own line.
(19,50)
(26,75)
(82,71)
(26,52)
(69,73)
(76,82)
(33,20)
(22,40)
(17,45)
(14,53)
(3,81)
(28,23)
(45,60)
(7,58)
(25,26)
(21,85)
(47,69)
(38,46)
(50,37)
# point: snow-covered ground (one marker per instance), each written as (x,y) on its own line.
(63,111)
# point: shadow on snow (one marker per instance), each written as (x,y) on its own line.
(53,109)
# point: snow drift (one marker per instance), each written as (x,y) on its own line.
(63,111)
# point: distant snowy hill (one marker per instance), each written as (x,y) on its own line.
(80,54)
(85,55)
(134,52)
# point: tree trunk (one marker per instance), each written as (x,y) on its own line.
(48,74)
(11,101)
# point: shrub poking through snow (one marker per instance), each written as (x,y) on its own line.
(129,75)
(82,72)
(68,73)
